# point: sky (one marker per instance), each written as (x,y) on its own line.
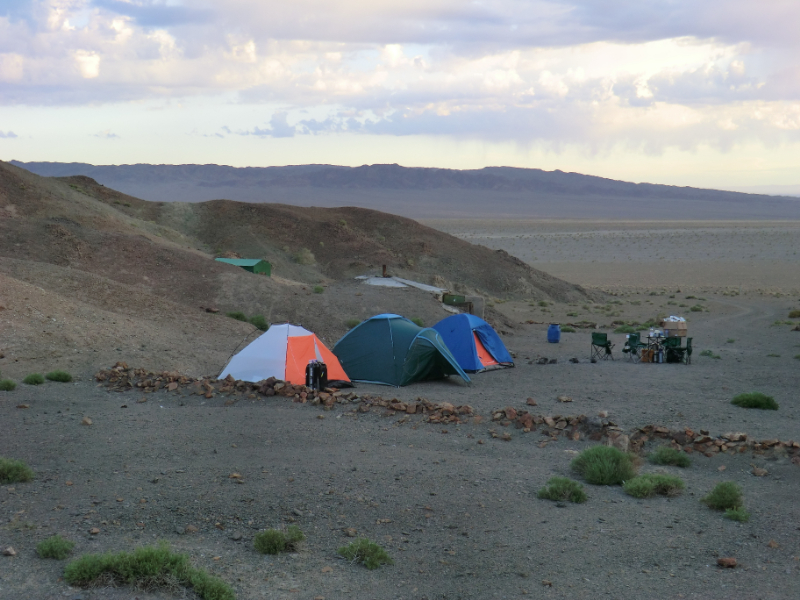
(685,92)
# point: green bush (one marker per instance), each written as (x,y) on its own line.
(561,488)
(709,353)
(60,376)
(697,308)
(755,400)
(259,322)
(625,329)
(147,567)
(54,547)
(730,341)
(6,385)
(33,379)
(352,323)
(238,315)
(737,514)
(318,289)
(794,314)
(367,552)
(14,471)
(604,465)
(304,256)
(724,496)
(274,541)
(567,329)
(417,321)
(664,455)
(652,484)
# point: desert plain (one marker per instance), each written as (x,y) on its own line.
(454,504)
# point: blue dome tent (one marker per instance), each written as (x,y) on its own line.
(474,343)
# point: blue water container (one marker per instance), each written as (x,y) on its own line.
(554,333)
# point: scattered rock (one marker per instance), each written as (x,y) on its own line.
(552,361)
(23,406)
(190,529)
(547,582)
(530,402)
(94,531)
(759,472)
(236,536)
(67,483)
(574,360)
(86,421)
(350,532)
(327,569)
(727,562)
(772,544)
(603,414)
(543,361)
(9,551)
(564,398)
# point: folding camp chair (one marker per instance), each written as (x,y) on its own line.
(601,347)
(675,353)
(633,347)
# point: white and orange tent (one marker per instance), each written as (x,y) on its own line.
(283,352)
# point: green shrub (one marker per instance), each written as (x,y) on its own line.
(6,385)
(304,256)
(14,471)
(697,308)
(60,376)
(652,484)
(318,289)
(561,488)
(567,329)
(625,329)
(352,323)
(664,455)
(54,547)
(604,465)
(730,341)
(794,314)
(274,541)
(724,496)
(147,567)
(773,355)
(367,552)
(797,356)
(417,321)
(238,315)
(709,353)
(259,322)
(572,314)
(755,400)
(737,514)
(33,379)
(543,303)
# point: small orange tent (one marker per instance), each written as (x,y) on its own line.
(283,352)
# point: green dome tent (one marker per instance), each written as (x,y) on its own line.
(391,350)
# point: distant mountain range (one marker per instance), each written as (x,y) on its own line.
(496,192)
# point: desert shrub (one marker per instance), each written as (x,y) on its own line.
(730,341)
(697,308)
(318,289)
(561,488)
(797,356)
(238,315)
(572,314)
(625,329)
(724,496)
(60,376)
(567,329)
(259,322)
(367,552)
(543,303)
(274,541)
(54,547)
(755,400)
(352,323)
(147,567)
(664,455)
(709,353)
(652,484)
(33,379)
(14,471)
(773,355)
(6,385)
(417,321)
(604,465)
(794,314)
(737,514)
(304,256)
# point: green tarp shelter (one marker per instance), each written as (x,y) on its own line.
(254,265)
(391,350)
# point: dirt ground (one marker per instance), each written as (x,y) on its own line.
(455,507)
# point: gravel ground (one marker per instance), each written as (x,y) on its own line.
(455,508)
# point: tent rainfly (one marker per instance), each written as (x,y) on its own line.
(283,352)
(473,342)
(254,265)
(391,350)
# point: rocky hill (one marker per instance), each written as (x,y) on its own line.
(86,269)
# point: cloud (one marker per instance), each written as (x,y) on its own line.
(106,135)
(8,134)
(156,13)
